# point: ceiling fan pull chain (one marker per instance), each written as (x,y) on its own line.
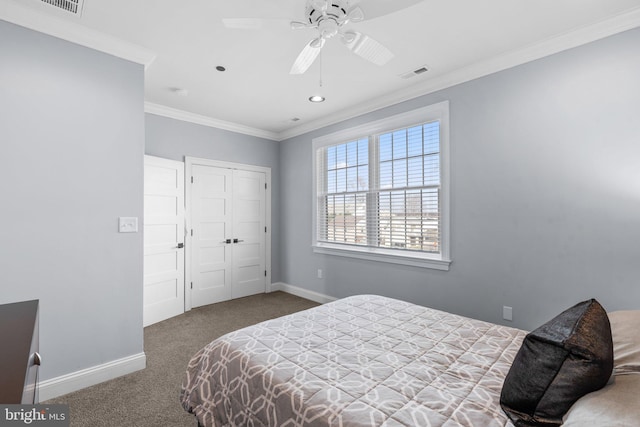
(320,60)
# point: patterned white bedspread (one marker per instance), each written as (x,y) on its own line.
(360,361)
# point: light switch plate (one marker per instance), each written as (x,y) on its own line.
(128,224)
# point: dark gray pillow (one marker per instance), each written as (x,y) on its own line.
(561,361)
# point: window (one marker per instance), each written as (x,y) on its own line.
(381,190)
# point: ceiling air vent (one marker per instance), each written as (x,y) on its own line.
(414,73)
(71,6)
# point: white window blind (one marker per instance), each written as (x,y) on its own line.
(382,192)
(343,197)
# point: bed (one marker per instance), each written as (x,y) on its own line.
(360,361)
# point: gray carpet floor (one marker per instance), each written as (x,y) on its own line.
(150,397)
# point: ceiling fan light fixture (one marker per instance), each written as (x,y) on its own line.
(317,98)
(329,17)
(328,28)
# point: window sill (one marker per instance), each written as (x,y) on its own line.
(393,257)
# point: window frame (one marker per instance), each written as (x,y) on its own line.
(439,112)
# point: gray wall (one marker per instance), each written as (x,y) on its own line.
(175,139)
(72,144)
(545,194)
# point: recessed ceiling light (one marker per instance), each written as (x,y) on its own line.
(316,98)
(221,68)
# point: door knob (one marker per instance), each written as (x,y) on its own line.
(180,245)
(237,241)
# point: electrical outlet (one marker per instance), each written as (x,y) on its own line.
(319,273)
(507,313)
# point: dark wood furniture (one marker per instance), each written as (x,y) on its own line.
(19,358)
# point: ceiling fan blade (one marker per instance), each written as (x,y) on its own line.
(307,56)
(356,14)
(321,5)
(297,25)
(375,8)
(367,48)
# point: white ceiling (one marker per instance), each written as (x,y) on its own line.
(182,42)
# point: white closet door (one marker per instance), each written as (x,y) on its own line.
(163,239)
(228,244)
(211,213)
(249,230)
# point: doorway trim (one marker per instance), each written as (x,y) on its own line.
(189,162)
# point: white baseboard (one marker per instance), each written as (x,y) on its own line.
(301,292)
(64,384)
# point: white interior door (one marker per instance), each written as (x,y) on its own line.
(163,239)
(228,221)
(211,211)
(249,231)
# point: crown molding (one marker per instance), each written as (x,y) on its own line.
(569,40)
(186,116)
(16,13)
(33,19)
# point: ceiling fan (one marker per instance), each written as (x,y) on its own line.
(329,17)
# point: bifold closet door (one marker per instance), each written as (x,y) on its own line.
(228,238)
